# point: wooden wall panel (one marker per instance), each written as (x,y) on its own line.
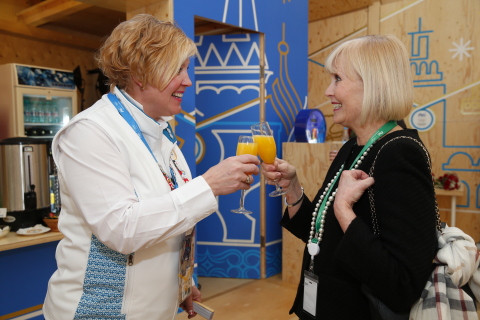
(311,162)
(163,10)
(321,9)
(324,33)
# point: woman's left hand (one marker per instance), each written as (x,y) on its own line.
(187,305)
(351,187)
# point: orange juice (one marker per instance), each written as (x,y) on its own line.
(267,149)
(247,148)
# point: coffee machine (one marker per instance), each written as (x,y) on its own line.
(24,181)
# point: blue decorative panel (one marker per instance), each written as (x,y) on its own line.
(222,104)
(274,258)
(229,262)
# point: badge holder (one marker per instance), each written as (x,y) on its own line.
(186,265)
(310,286)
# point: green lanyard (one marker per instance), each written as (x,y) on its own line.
(377,135)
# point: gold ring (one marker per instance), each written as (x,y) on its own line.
(248,179)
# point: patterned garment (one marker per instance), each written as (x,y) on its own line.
(104,284)
(457,262)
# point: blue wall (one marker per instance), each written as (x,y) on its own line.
(222,104)
(25,273)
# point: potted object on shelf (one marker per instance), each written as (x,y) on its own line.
(51,220)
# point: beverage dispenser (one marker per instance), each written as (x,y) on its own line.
(24,181)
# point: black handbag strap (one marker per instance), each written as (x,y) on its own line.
(376,228)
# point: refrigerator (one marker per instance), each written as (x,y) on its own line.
(35,101)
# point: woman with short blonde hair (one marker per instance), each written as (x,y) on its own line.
(384,68)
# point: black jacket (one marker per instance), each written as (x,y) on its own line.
(395,264)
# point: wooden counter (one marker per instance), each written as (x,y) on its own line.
(13,240)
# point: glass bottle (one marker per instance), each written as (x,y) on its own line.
(41,111)
(54,111)
(27,110)
(34,117)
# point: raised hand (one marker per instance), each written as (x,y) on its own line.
(232,174)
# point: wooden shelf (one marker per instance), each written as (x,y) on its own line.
(14,241)
(442,192)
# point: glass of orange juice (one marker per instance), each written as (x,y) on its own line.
(245,145)
(267,150)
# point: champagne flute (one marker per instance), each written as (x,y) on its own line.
(245,145)
(267,150)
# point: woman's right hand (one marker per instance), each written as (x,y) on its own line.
(280,171)
(232,174)
(286,176)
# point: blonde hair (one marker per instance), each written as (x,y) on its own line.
(146,48)
(382,63)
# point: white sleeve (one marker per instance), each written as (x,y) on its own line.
(98,181)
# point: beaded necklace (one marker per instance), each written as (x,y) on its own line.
(327,197)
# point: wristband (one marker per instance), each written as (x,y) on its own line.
(296,202)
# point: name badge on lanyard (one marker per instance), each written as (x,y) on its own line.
(310,287)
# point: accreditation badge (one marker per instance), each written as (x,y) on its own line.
(310,285)
(186,265)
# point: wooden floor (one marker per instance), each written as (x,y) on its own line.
(245,299)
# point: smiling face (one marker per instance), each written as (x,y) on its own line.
(167,102)
(346,95)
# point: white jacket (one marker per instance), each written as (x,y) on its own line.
(115,202)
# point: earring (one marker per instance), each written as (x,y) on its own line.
(142,88)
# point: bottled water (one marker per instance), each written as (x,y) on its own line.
(34,117)
(41,111)
(48,111)
(27,110)
(54,111)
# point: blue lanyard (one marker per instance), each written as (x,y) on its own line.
(167,132)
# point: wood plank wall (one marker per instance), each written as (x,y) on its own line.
(312,162)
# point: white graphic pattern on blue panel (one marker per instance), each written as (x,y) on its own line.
(240,8)
(104,284)
(237,69)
